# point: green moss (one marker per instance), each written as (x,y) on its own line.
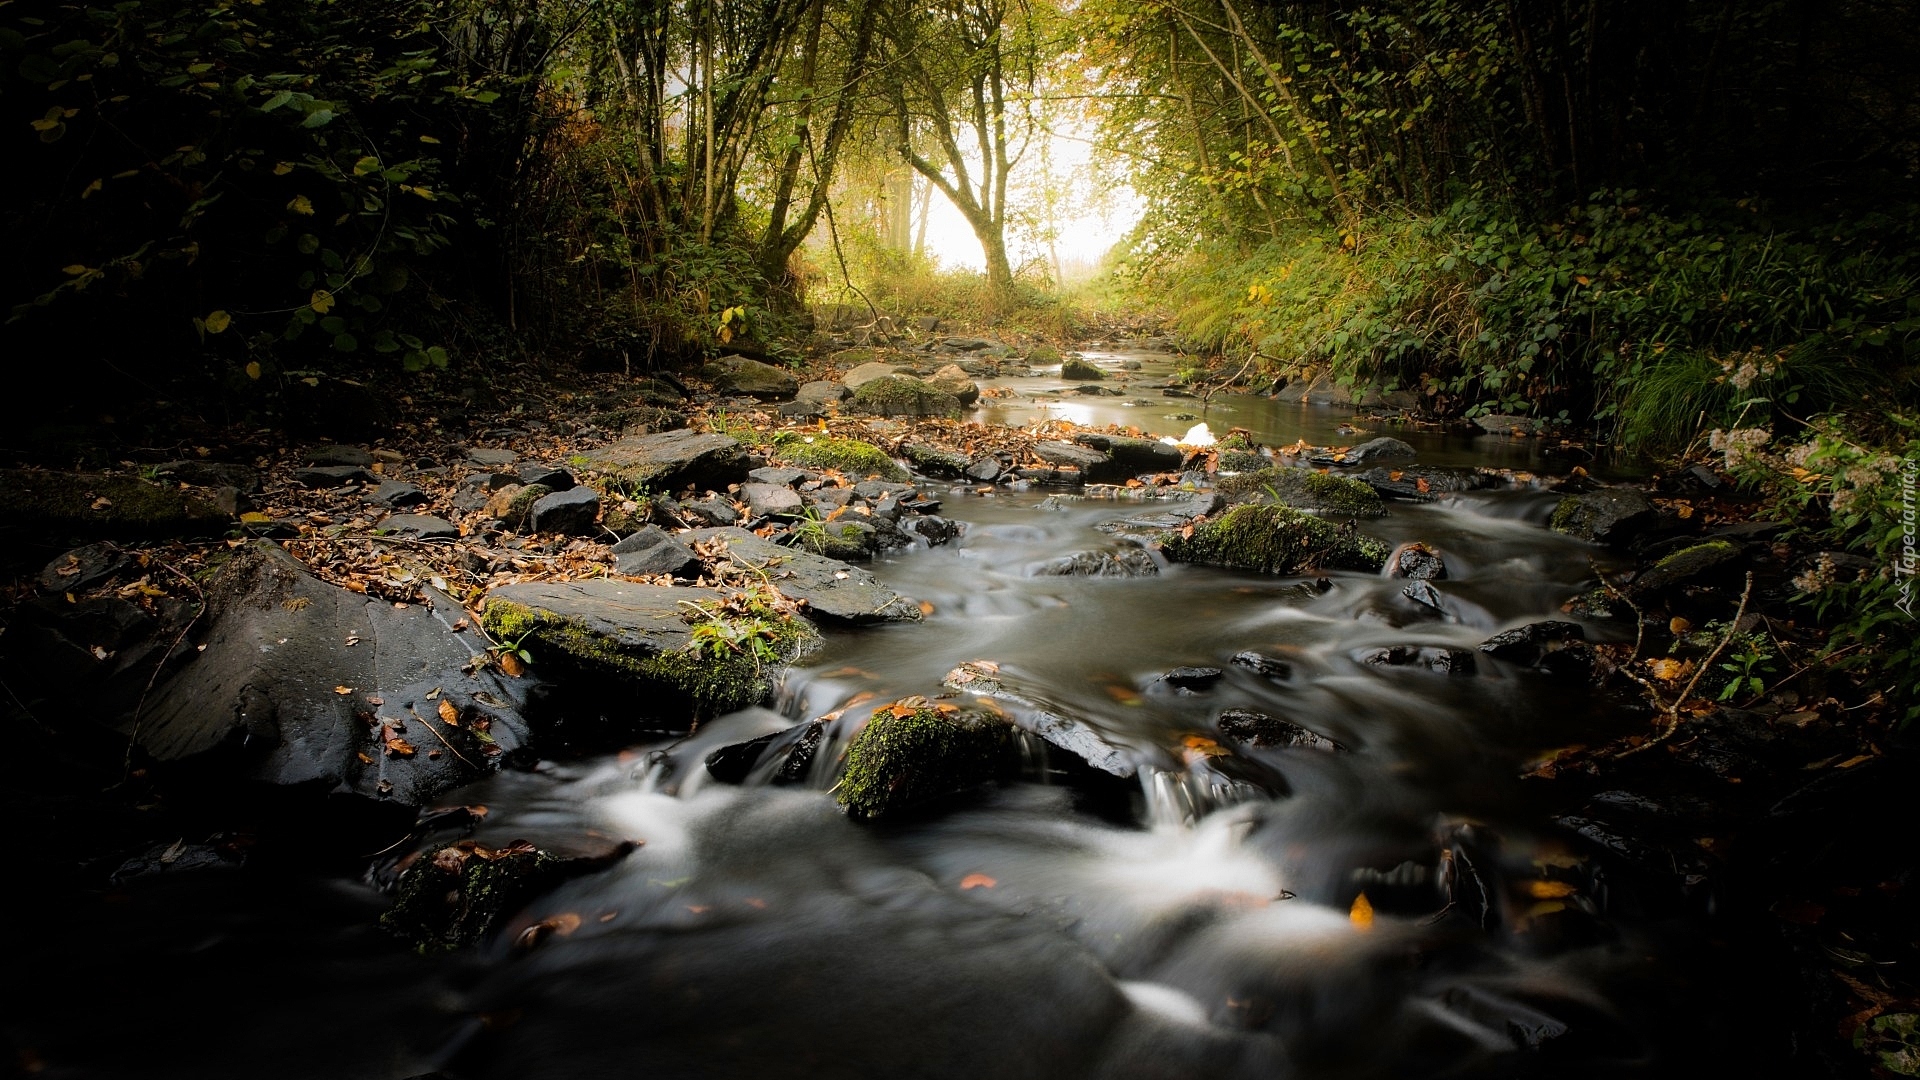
(904,395)
(446,902)
(1305,489)
(1079,370)
(901,760)
(91,504)
(1043,354)
(1275,540)
(1698,556)
(850,456)
(1565,513)
(1241,461)
(714,684)
(521,506)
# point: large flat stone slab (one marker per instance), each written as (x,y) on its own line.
(672,460)
(831,588)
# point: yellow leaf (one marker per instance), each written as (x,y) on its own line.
(1549,890)
(321,301)
(1678,625)
(75,270)
(282,168)
(343,691)
(90,189)
(218,321)
(301,205)
(1668,670)
(253,369)
(1361,913)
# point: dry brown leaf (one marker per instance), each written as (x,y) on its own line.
(448,713)
(400,747)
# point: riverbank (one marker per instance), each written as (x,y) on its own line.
(343,634)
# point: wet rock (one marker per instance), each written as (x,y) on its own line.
(215,474)
(262,693)
(1370,453)
(1422,484)
(1051,477)
(933,461)
(1193,678)
(673,460)
(651,551)
(934,530)
(1612,516)
(1416,562)
(1442,659)
(82,568)
(1424,594)
(641,636)
(328,476)
(1074,369)
(532,472)
(850,456)
(986,469)
(1260,664)
(1529,645)
(779,477)
(736,374)
(1693,565)
(983,678)
(831,588)
(1126,562)
(1258,729)
(1275,540)
(1128,456)
(572,512)
(398,494)
(419,527)
(903,395)
(784,757)
(1304,489)
(492,457)
(1505,425)
(769,500)
(1069,455)
(461,894)
(340,455)
(952,380)
(913,752)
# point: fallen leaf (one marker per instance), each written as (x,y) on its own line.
(400,747)
(1361,913)
(1549,890)
(1678,625)
(343,691)
(977,881)
(510,663)
(448,713)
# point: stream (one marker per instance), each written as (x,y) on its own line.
(1402,907)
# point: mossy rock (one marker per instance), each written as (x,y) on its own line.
(457,896)
(1043,354)
(1074,369)
(639,635)
(1275,540)
(904,395)
(1689,566)
(1305,489)
(850,456)
(520,507)
(913,752)
(57,505)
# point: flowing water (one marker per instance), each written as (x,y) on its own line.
(1202,918)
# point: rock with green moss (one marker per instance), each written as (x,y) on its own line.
(1242,461)
(661,640)
(1043,354)
(1607,516)
(850,456)
(952,380)
(1689,566)
(58,505)
(903,395)
(461,894)
(1128,456)
(934,461)
(1305,489)
(913,752)
(1275,540)
(1074,369)
(670,461)
(735,374)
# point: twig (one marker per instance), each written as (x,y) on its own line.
(1673,710)
(428,724)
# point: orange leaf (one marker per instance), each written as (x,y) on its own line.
(977,881)
(1420,484)
(1202,744)
(1549,890)
(399,746)
(448,713)
(343,691)
(1361,913)
(510,663)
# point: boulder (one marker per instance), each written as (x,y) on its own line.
(1128,456)
(740,375)
(532,472)
(82,568)
(1424,484)
(652,551)
(653,639)
(850,456)
(340,455)
(672,460)
(903,395)
(867,372)
(1369,453)
(1304,489)
(1074,369)
(912,752)
(1691,565)
(823,393)
(1126,562)
(1069,455)
(777,476)
(831,588)
(492,457)
(213,474)
(951,380)
(1258,729)
(461,894)
(1612,515)
(297,681)
(933,461)
(419,527)
(1054,724)
(572,512)
(1193,678)
(1530,645)
(986,469)
(1275,540)
(772,500)
(327,476)
(1271,667)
